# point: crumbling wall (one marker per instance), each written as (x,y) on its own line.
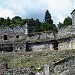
(40,47)
(65,66)
(64,44)
(64,32)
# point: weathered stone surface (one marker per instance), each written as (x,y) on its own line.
(19,40)
(65,67)
(46,69)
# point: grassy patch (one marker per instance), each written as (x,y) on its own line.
(37,59)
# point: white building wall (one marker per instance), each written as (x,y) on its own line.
(41,47)
(73,43)
(65,45)
(73,18)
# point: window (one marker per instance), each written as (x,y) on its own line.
(17,36)
(1,37)
(5,37)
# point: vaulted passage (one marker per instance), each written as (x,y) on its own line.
(5,37)
(39,46)
(55,45)
(6,48)
(28,47)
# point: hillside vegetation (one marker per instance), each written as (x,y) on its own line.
(35,25)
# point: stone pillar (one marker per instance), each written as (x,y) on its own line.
(51,47)
(26,28)
(38,73)
(46,69)
(73,18)
(24,47)
(14,72)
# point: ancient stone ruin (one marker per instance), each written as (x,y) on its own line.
(17,39)
(65,66)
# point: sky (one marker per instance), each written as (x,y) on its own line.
(59,9)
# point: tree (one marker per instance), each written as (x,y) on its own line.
(31,24)
(25,21)
(8,21)
(48,17)
(37,27)
(60,25)
(48,24)
(12,25)
(48,27)
(2,21)
(17,20)
(13,21)
(67,21)
(37,22)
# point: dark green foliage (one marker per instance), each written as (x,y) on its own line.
(2,21)
(60,25)
(17,20)
(37,26)
(8,21)
(67,21)
(13,21)
(12,25)
(48,24)
(33,25)
(48,17)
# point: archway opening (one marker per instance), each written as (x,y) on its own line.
(28,48)
(5,37)
(55,45)
(6,48)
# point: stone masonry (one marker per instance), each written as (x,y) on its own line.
(17,39)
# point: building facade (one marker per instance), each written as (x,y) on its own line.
(17,39)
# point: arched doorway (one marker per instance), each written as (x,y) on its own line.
(55,45)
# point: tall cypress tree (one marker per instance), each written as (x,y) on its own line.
(8,21)
(48,17)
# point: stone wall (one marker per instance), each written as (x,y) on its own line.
(66,44)
(19,47)
(40,46)
(11,34)
(64,32)
(73,17)
(28,71)
(65,66)
(42,36)
(72,43)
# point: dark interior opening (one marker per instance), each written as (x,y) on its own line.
(27,47)
(17,36)
(55,45)
(5,37)
(6,49)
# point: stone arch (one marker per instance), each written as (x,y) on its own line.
(55,45)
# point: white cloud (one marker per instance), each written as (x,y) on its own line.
(6,13)
(59,9)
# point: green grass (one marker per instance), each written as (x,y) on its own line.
(36,59)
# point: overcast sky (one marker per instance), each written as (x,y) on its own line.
(59,9)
